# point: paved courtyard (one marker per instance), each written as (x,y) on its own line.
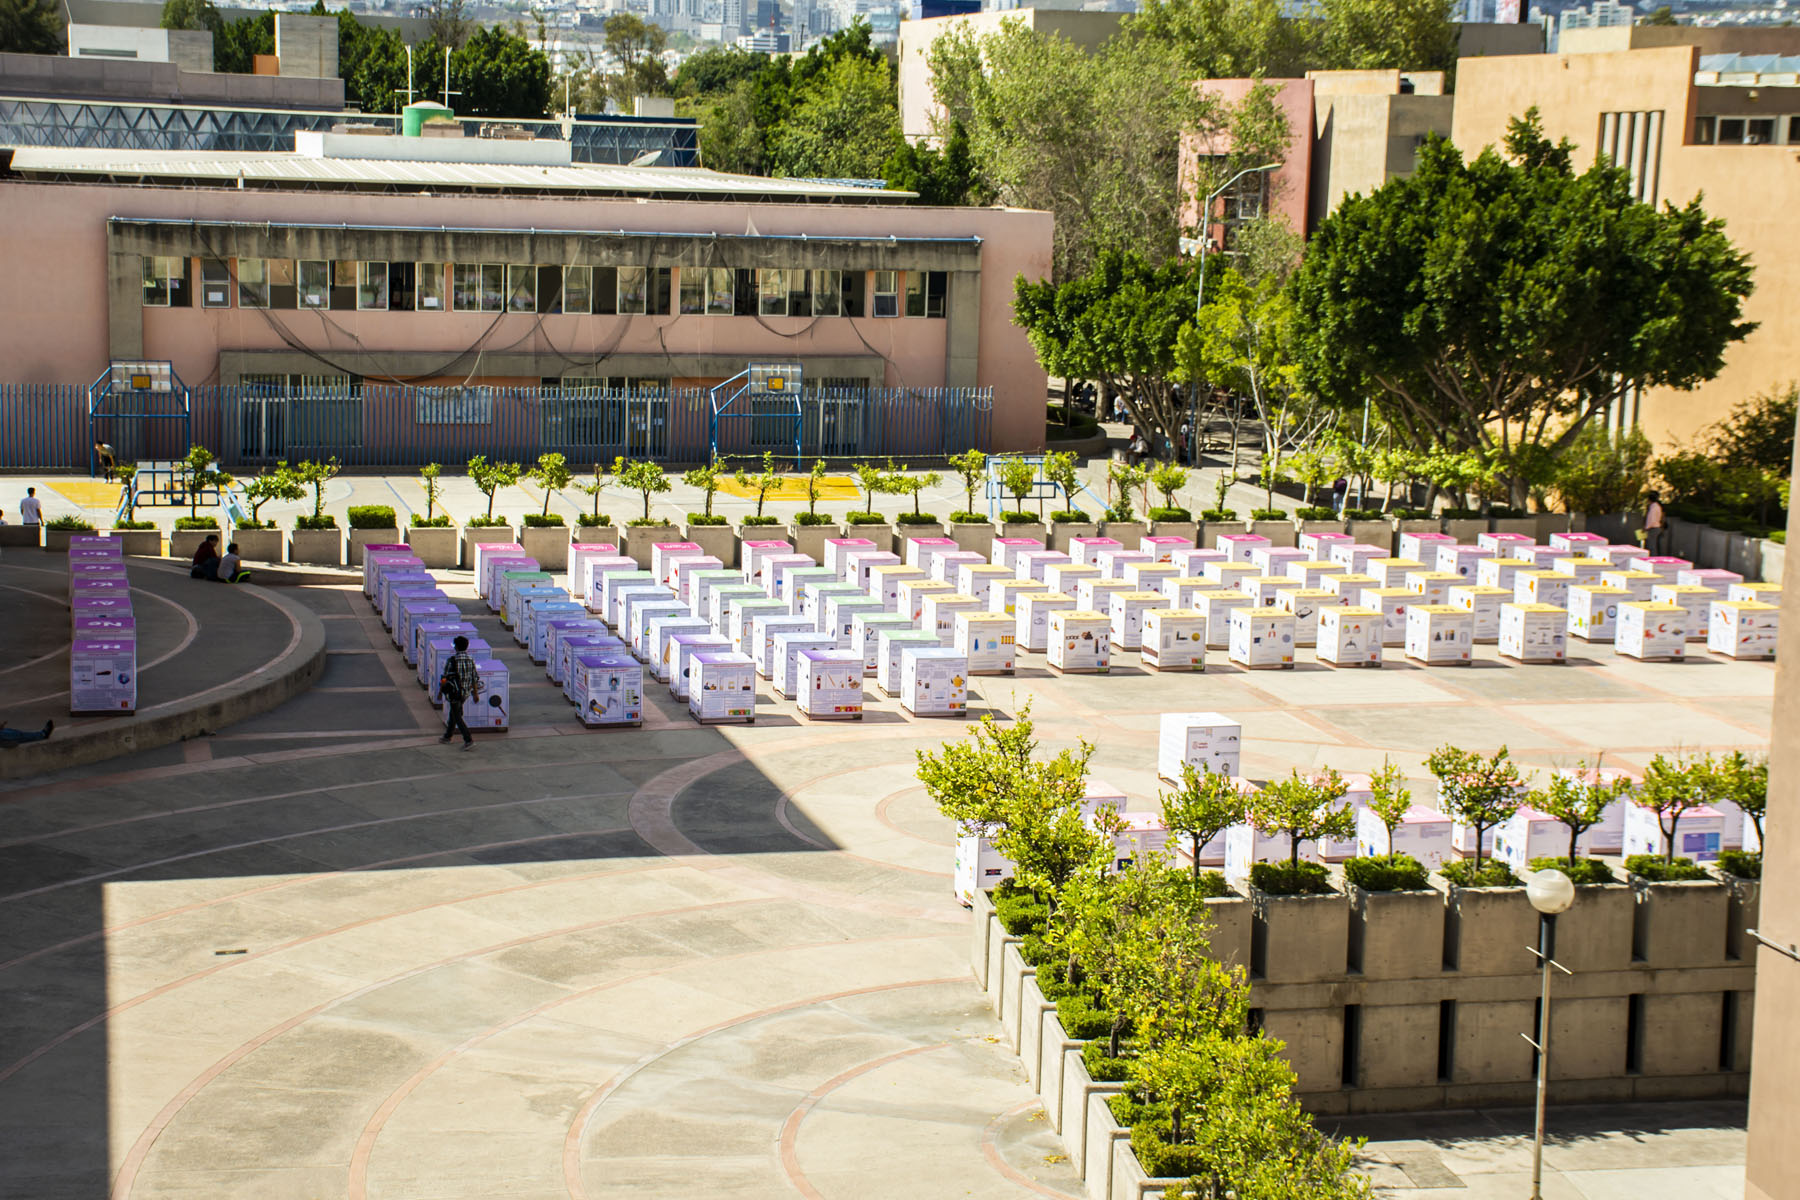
(317,954)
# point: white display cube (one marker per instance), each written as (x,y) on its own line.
(764,650)
(1529,834)
(1068,577)
(1238,546)
(862,564)
(1576,542)
(913,593)
(755,553)
(1461,560)
(885,581)
(1423,833)
(1391,603)
(1765,593)
(638,638)
(722,689)
(1033,619)
(892,648)
(486,554)
(1007,549)
(1112,563)
(1218,607)
(1126,612)
(1191,560)
(1594,611)
(1393,571)
(1503,544)
(1432,587)
(815,601)
(1355,557)
(939,612)
(1227,574)
(1086,550)
(1079,642)
(1031,564)
(1542,587)
(1246,845)
(1501,572)
(921,552)
(1263,590)
(1699,834)
(745,625)
(1349,586)
(786,658)
(1712,577)
(664,554)
(1004,597)
(1666,567)
(698,586)
(1320,545)
(1212,743)
(1162,548)
(1743,629)
(978,578)
(1423,547)
(611,690)
(1583,569)
(865,636)
(791,578)
(681,575)
(1306,604)
(1651,631)
(1175,639)
(1635,583)
(831,685)
(1439,635)
(1096,595)
(837,551)
(1140,838)
(978,867)
(1312,572)
(1273,560)
(682,648)
(438,651)
(1149,577)
(662,633)
(1695,602)
(1608,836)
(492,706)
(1260,638)
(946,566)
(934,681)
(1182,589)
(1534,633)
(988,641)
(1484,604)
(1350,637)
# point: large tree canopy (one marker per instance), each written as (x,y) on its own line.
(31,27)
(1238,39)
(1499,304)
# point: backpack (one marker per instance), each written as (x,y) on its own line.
(448,687)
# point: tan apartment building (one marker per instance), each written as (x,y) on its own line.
(1690,112)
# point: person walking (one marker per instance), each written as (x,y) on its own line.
(461,683)
(1340,489)
(31,509)
(1656,525)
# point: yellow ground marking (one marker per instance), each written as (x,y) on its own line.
(86,493)
(793,487)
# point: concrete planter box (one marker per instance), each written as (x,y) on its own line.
(1298,939)
(1621,529)
(549,544)
(718,541)
(1396,935)
(1527,526)
(58,539)
(882,535)
(1212,531)
(1279,533)
(1104,1136)
(370,537)
(639,539)
(1301,527)
(809,539)
(1465,529)
(1033,1008)
(1487,931)
(439,547)
(257,545)
(1014,971)
(1126,533)
(1426,525)
(1549,523)
(978,538)
(1712,548)
(596,533)
(318,547)
(21,535)
(1372,533)
(1079,1093)
(982,927)
(1684,540)
(1054,1045)
(183,542)
(474,535)
(1232,925)
(1129,1181)
(906,533)
(1742,907)
(1188,531)
(1774,558)
(144,543)
(1679,924)
(1064,532)
(1595,934)
(1743,554)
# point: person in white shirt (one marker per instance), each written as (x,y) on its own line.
(231,567)
(31,510)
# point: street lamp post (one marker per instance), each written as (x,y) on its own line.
(1550,892)
(1202,243)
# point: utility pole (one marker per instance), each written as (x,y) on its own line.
(447,92)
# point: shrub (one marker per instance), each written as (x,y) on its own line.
(810,518)
(480,521)
(701,518)
(1506,512)
(1314,513)
(196,522)
(77,524)
(1081,1020)
(1413,514)
(140,525)
(920,518)
(1169,514)
(1019,518)
(441,521)
(1582,870)
(372,516)
(1778,536)
(1493,874)
(967,518)
(538,520)
(1211,884)
(642,521)
(322,521)
(1652,867)
(1219,514)
(864,518)
(1020,912)
(1267,514)
(1280,879)
(1364,514)
(253,523)
(1387,873)
(1068,516)
(1102,1066)
(1601,473)
(1158,1157)
(593,520)
(1745,864)
(754,520)
(1462,514)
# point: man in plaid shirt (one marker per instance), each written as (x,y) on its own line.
(461,682)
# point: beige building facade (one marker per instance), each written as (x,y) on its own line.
(1655,102)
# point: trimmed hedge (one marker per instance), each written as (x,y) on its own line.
(1169,514)
(543,521)
(484,522)
(1316,512)
(150,525)
(864,518)
(1582,870)
(196,522)
(594,521)
(1388,873)
(1267,514)
(1493,874)
(441,521)
(1101,1065)
(756,522)
(812,519)
(703,519)
(1745,864)
(1068,516)
(1652,867)
(923,518)
(967,518)
(1219,514)
(1280,879)
(74,524)
(372,516)
(323,521)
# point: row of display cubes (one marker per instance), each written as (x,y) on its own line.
(103,630)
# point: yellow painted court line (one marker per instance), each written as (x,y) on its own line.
(793,487)
(86,493)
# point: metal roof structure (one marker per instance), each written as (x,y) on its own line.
(1748,70)
(289,171)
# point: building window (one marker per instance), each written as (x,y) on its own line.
(632,290)
(772,291)
(465,287)
(1793,130)
(693,290)
(215,283)
(937,287)
(253,282)
(429,293)
(521,288)
(343,285)
(915,293)
(493,287)
(887,293)
(284,291)
(372,286)
(578,290)
(315,283)
(719,286)
(827,293)
(856,293)
(403,286)
(165,282)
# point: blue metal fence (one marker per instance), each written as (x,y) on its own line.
(378,425)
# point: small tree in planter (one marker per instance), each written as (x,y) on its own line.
(1059,471)
(126,473)
(970,466)
(429,475)
(1018,477)
(1671,787)
(707,479)
(200,470)
(594,489)
(490,477)
(1306,809)
(1744,781)
(1578,800)
(912,485)
(277,483)
(873,481)
(551,472)
(1168,479)
(316,475)
(643,477)
(1203,807)
(1124,477)
(1221,489)
(814,483)
(762,483)
(1390,799)
(1479,792)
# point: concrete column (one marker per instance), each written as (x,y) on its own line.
(124,304)
(962,341)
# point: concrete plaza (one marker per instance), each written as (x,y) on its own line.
(317,954)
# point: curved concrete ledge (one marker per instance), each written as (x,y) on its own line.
(296,668)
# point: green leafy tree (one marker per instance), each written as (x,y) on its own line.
(844,124)
(200,470)
(643,477)
(315,475)
(237,43)
(1168,479)
(1479,791)
(708,478)
(489,478)
(971,467)
(873,481)
(1578,799)
(1018,476)
(1306,808)
(1412,35)
(1482,303)
(762,483)
(1390,799)
(814,483)
(1204,806)
(633,42)
(429,475)
(191,14)
(501,75)
(594,487)
(31,27)
(1225,39)
(944,177)
(1759,432)
(551,472)
(1743,780)
(1602,472)
(1673,786)
(1124,477)
(1058,469)
(912,485)
(716,69)
(276,483)
(1662,14)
